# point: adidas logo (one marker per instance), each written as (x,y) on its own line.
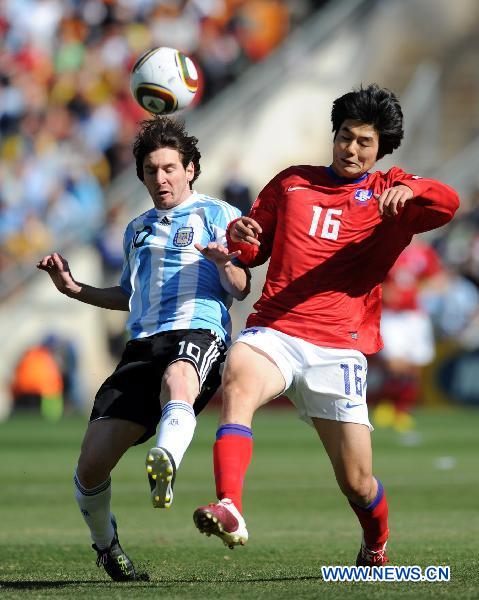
(165,221)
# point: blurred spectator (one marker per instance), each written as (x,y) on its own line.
(109,243)
(46,378)
(408,336)
(260,26)
(37,383)
(236,190)
(65,355)
(459,246)
(453,308)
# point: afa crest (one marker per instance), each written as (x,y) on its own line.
(183,236)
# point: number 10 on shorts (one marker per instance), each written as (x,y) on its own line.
(352,379)
(192,350)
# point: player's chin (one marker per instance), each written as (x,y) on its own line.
(351,172)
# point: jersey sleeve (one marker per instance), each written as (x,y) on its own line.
(264,212)
(125,278)
(433,205)
(220,221)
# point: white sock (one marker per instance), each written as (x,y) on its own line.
(94,505)
(176,429)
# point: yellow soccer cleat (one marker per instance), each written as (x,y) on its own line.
(384,414)
(161,471)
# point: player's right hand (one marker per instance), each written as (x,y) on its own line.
(245,229)
(58,269)
(217,253)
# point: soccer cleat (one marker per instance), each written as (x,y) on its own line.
(161,471)
(369,558)
(114,560)
(384,414)
(403,422)
(224,520)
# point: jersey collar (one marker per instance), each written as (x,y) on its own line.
(185,204)
(338,179)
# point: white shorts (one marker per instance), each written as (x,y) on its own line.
(327,383)
(408,335)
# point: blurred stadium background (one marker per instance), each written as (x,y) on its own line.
(270,69)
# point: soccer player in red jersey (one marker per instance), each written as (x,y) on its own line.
(332,234)
(408,337)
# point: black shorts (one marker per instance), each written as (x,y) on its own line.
(132,392)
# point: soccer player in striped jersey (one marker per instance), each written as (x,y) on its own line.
(332,234)
(178,282)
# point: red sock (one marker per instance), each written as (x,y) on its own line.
(408,395)
(403,391)
(374,519)
(231,455)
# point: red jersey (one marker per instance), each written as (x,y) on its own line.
(330,250)
(415,265)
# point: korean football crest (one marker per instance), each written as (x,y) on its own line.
(363,196)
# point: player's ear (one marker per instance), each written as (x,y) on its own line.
(190,171)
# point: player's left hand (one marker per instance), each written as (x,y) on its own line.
(392,198)
(217,253)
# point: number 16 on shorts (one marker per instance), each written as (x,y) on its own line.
(354,379)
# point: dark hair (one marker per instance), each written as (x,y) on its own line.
(164,132)
(374,106)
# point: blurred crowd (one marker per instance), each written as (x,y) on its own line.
(67,117)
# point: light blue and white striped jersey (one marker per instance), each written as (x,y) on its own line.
(172,285)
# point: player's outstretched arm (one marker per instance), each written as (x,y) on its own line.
(234,279)
(57,267)
(427,203)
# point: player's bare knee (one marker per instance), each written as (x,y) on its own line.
(90,471)
(235,391)
(180,381)
(239,403)
(358,488)
(237,386)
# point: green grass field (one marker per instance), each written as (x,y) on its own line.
(296,517)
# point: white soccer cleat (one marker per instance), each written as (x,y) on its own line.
(372,556)
(224,520)
(161,471)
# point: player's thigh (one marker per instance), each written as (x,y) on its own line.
(180,382)
(330,384)
(348,446)
(191,363)
(250,379)
(105,442)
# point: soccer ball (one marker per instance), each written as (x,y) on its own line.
(164,80)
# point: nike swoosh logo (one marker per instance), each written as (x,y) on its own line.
(348,405)
(293,188)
